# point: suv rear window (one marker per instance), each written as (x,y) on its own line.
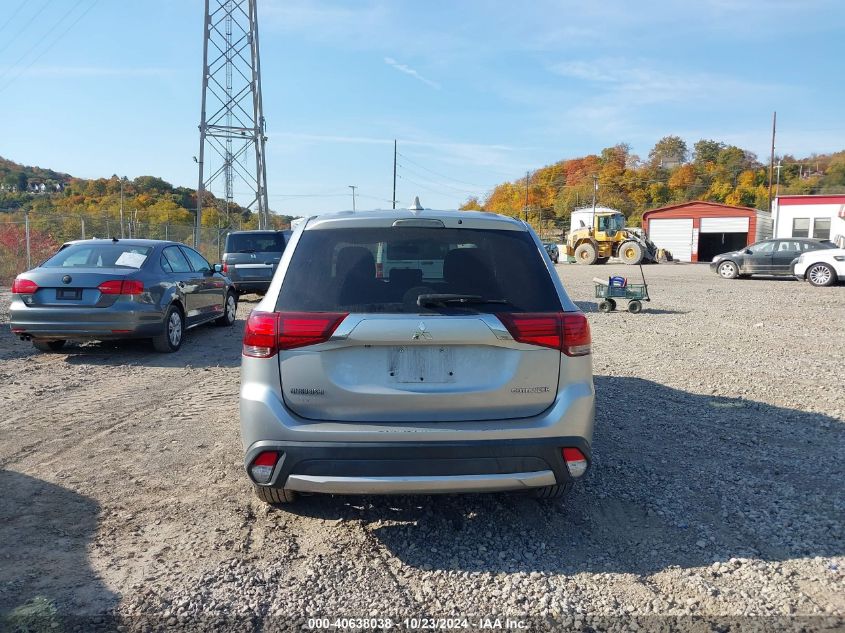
(255,243)
(387,269)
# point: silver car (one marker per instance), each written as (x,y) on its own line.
(470,375)
(116,289)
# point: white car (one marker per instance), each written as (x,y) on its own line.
(821,268)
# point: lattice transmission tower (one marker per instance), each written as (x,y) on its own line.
(232,126)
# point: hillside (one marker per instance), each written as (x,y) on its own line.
(70,208)
(672,173)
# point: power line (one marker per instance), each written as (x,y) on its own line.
(438,184)
(471,184)
(13,15)
(25,26)
(50,46)
(43,37)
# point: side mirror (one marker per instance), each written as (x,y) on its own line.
(218,268)
(747,251)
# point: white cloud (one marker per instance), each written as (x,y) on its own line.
(410,71)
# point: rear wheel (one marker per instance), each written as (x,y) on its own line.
(631,253)
(170,340)
(48,346)
(635,307)
(586,254)
(275,496)
(608,305)
(230,310)
(821,275)
(558,491)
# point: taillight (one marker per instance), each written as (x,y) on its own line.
(577,340)
(24,287)
(298,329)
(575,461)
(121,287)
(379,270)
(568,332)
(225,267)
(260,335)
(262,467)
(268,332)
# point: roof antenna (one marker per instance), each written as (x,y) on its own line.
(416,206)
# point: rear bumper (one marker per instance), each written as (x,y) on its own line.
(418,468)
(251,286)
(85,323)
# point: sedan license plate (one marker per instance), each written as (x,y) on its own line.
(72,294)
(429,364)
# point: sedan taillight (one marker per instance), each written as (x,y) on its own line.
(121,287)
(24,287)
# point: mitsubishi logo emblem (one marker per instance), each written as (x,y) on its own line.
(421,333)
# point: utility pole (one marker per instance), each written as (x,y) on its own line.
(232,113)
(122,235)
(394,173)
(525,208)
(353,187)
(772,159)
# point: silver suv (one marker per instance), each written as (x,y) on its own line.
(470,375)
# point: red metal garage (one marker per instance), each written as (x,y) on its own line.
(696,231)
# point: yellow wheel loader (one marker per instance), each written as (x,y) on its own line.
(597,236)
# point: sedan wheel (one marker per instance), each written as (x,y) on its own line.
(230,311)
(170,340)
(728,270)
(820,275)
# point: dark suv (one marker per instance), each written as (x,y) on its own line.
(250,259)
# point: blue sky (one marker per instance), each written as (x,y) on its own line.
(475,91)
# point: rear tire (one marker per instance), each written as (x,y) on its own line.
(275,496)
(586,254)
(48,346)
(635,307)
(558,491)
(631,253)
(230,311)
(608,305)
(821,275)
(173,331)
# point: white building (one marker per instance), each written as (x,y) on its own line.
(821,217)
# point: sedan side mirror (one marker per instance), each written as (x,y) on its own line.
(218,268)
(747,251)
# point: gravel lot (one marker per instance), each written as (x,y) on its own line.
(717,488)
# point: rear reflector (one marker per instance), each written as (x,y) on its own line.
(575,461)
(568,332)
(268,332)
(24,287)
(121,287)
(262,467)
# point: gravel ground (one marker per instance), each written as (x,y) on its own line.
(716,492)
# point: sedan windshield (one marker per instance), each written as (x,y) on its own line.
(90,255)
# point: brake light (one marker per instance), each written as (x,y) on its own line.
(575,461)
(298,329)
(121,287)
(225,267)
(260,335)
(24,287)
(575,330)
(379,270)
(268,332)
(262,467)
(568,332)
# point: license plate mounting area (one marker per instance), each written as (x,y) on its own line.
(431,364)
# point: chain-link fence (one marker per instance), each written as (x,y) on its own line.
(28,241)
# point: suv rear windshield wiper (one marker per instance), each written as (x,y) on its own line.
(446,299)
